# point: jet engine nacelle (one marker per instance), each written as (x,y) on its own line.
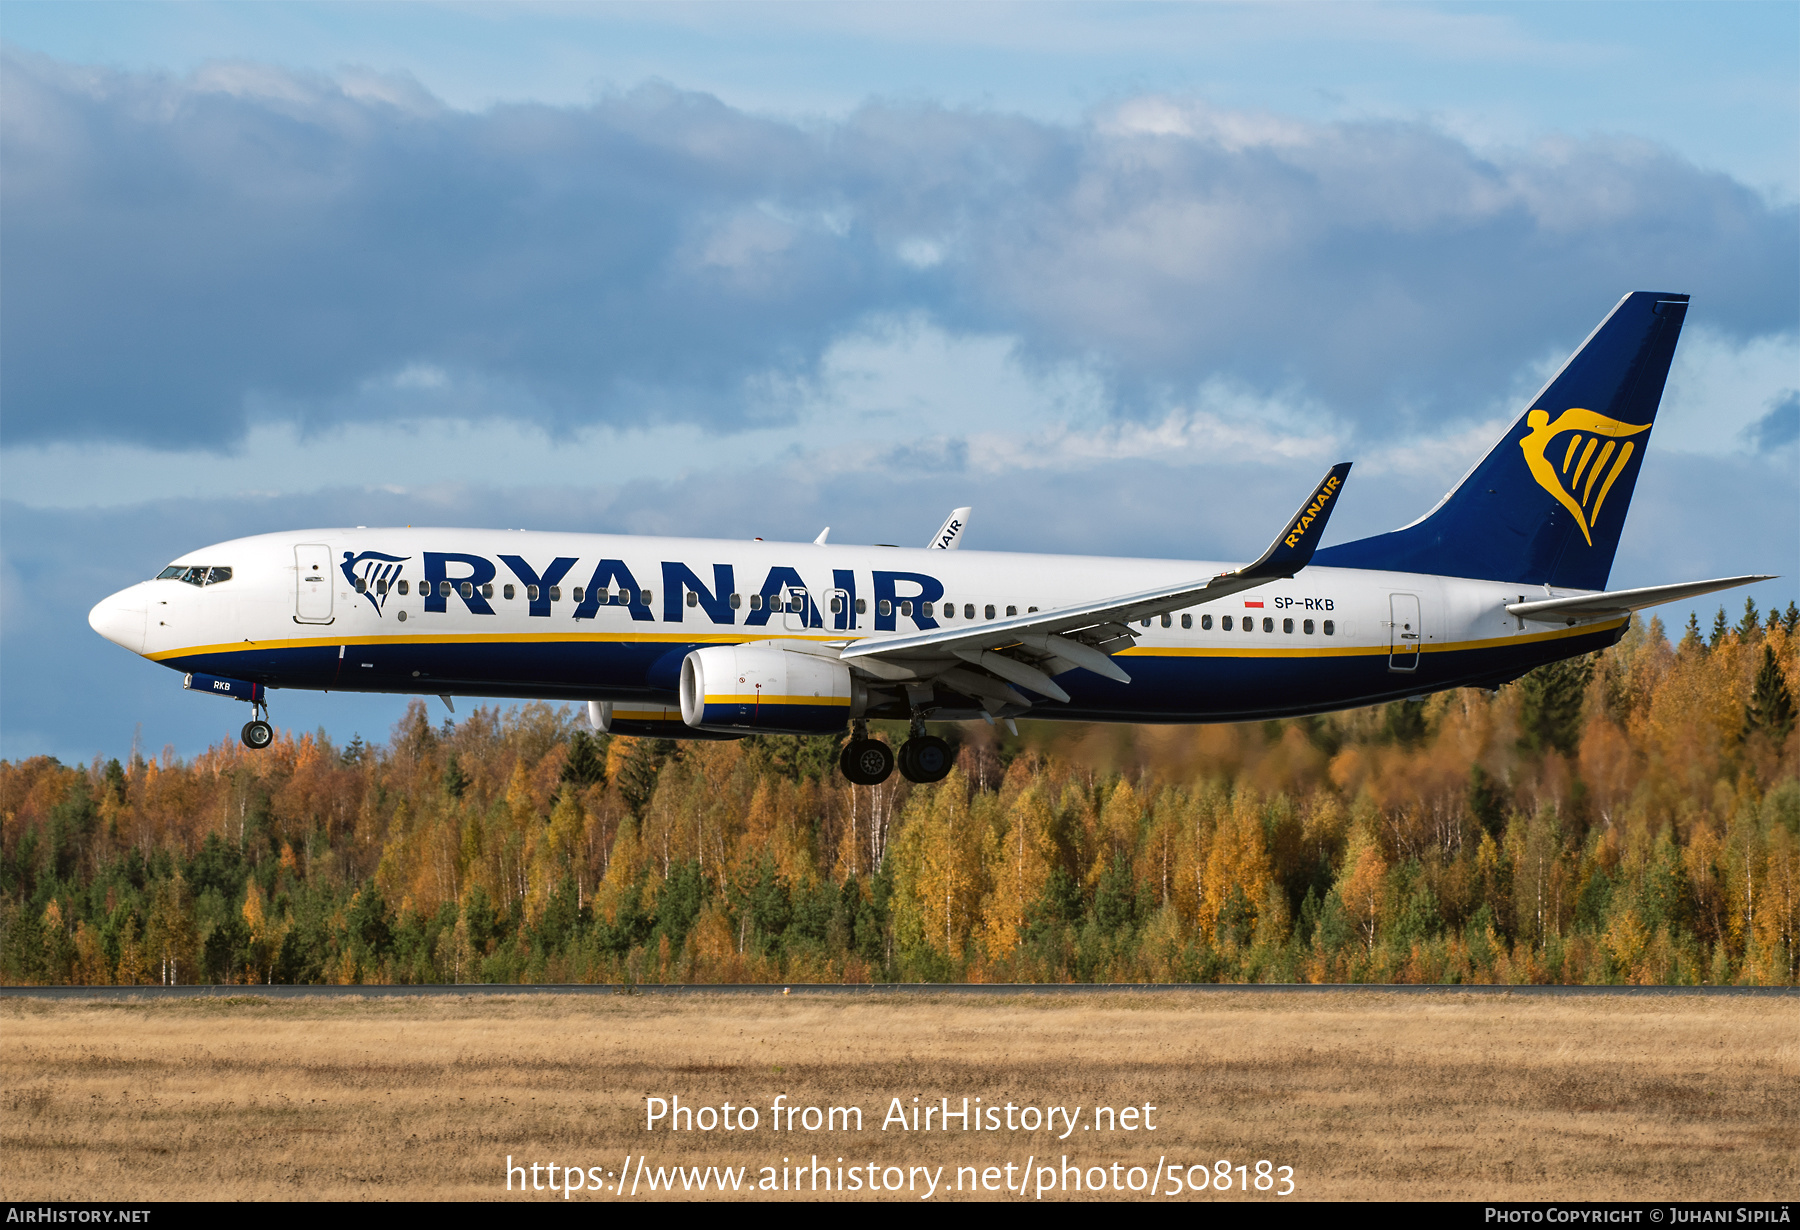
(769,688)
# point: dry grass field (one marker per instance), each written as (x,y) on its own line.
(1363,1094)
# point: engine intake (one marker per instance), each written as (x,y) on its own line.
(768,688)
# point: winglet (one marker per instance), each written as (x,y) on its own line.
(1293,549)
(949,535)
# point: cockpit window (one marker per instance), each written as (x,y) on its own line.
(194,574)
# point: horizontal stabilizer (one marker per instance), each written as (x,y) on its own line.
(1621,601)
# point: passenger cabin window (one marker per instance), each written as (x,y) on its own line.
(644,596)
(968,610)
(1268,624)
(487,590)
(443,589)
(1287,626)
(1011,611)
(949,610)
(381,587)
(403,588)
(990,610)
(756,602)
(1307,627)
(737,600)
(1187,621)
(556,593)
(361,586)
(906,609)
(1030,610)
(1224,622)
(1206,623)
(1330,628)
(468,589)
(1167,621)
(884,607)
(1145,622)
(1249,623)
(508,593)
(862,606)
(693,598)
(837,605)
(531,592)
(580,592)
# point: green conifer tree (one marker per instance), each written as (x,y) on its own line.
(587,760)
(1771,708)
(1551,713)
(1720,627)
(1690,638)
(637,776)
(455,782)
(1751,624)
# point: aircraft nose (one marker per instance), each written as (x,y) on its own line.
(121,618)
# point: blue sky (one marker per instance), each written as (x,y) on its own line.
(1124,277)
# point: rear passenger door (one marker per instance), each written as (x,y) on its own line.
(1405,632)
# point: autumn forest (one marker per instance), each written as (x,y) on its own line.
(1629,817)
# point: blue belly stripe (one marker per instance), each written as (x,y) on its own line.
(1164,688)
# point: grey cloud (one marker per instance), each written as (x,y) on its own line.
(184,252)
(1778,428)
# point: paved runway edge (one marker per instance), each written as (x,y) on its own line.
(854,989)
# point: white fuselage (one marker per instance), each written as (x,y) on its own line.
(293,614)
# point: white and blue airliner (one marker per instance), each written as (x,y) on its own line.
(707,638)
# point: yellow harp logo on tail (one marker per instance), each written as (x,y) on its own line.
(1589,464)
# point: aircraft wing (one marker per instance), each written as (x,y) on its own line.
(1620,601)
(1046,643)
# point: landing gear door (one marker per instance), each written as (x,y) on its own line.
(1405,632)
(313,583)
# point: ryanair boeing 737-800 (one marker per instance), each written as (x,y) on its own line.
(700,638)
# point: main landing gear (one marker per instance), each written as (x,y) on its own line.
(868,762)
(257,733)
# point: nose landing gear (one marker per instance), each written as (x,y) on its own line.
(257,733)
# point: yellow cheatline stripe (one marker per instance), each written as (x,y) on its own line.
(1371,651)
(754,699)
(504,638)
(1249,651)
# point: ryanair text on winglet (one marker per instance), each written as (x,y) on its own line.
(1326,491)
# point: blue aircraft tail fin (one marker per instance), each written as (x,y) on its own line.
(1546,505)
